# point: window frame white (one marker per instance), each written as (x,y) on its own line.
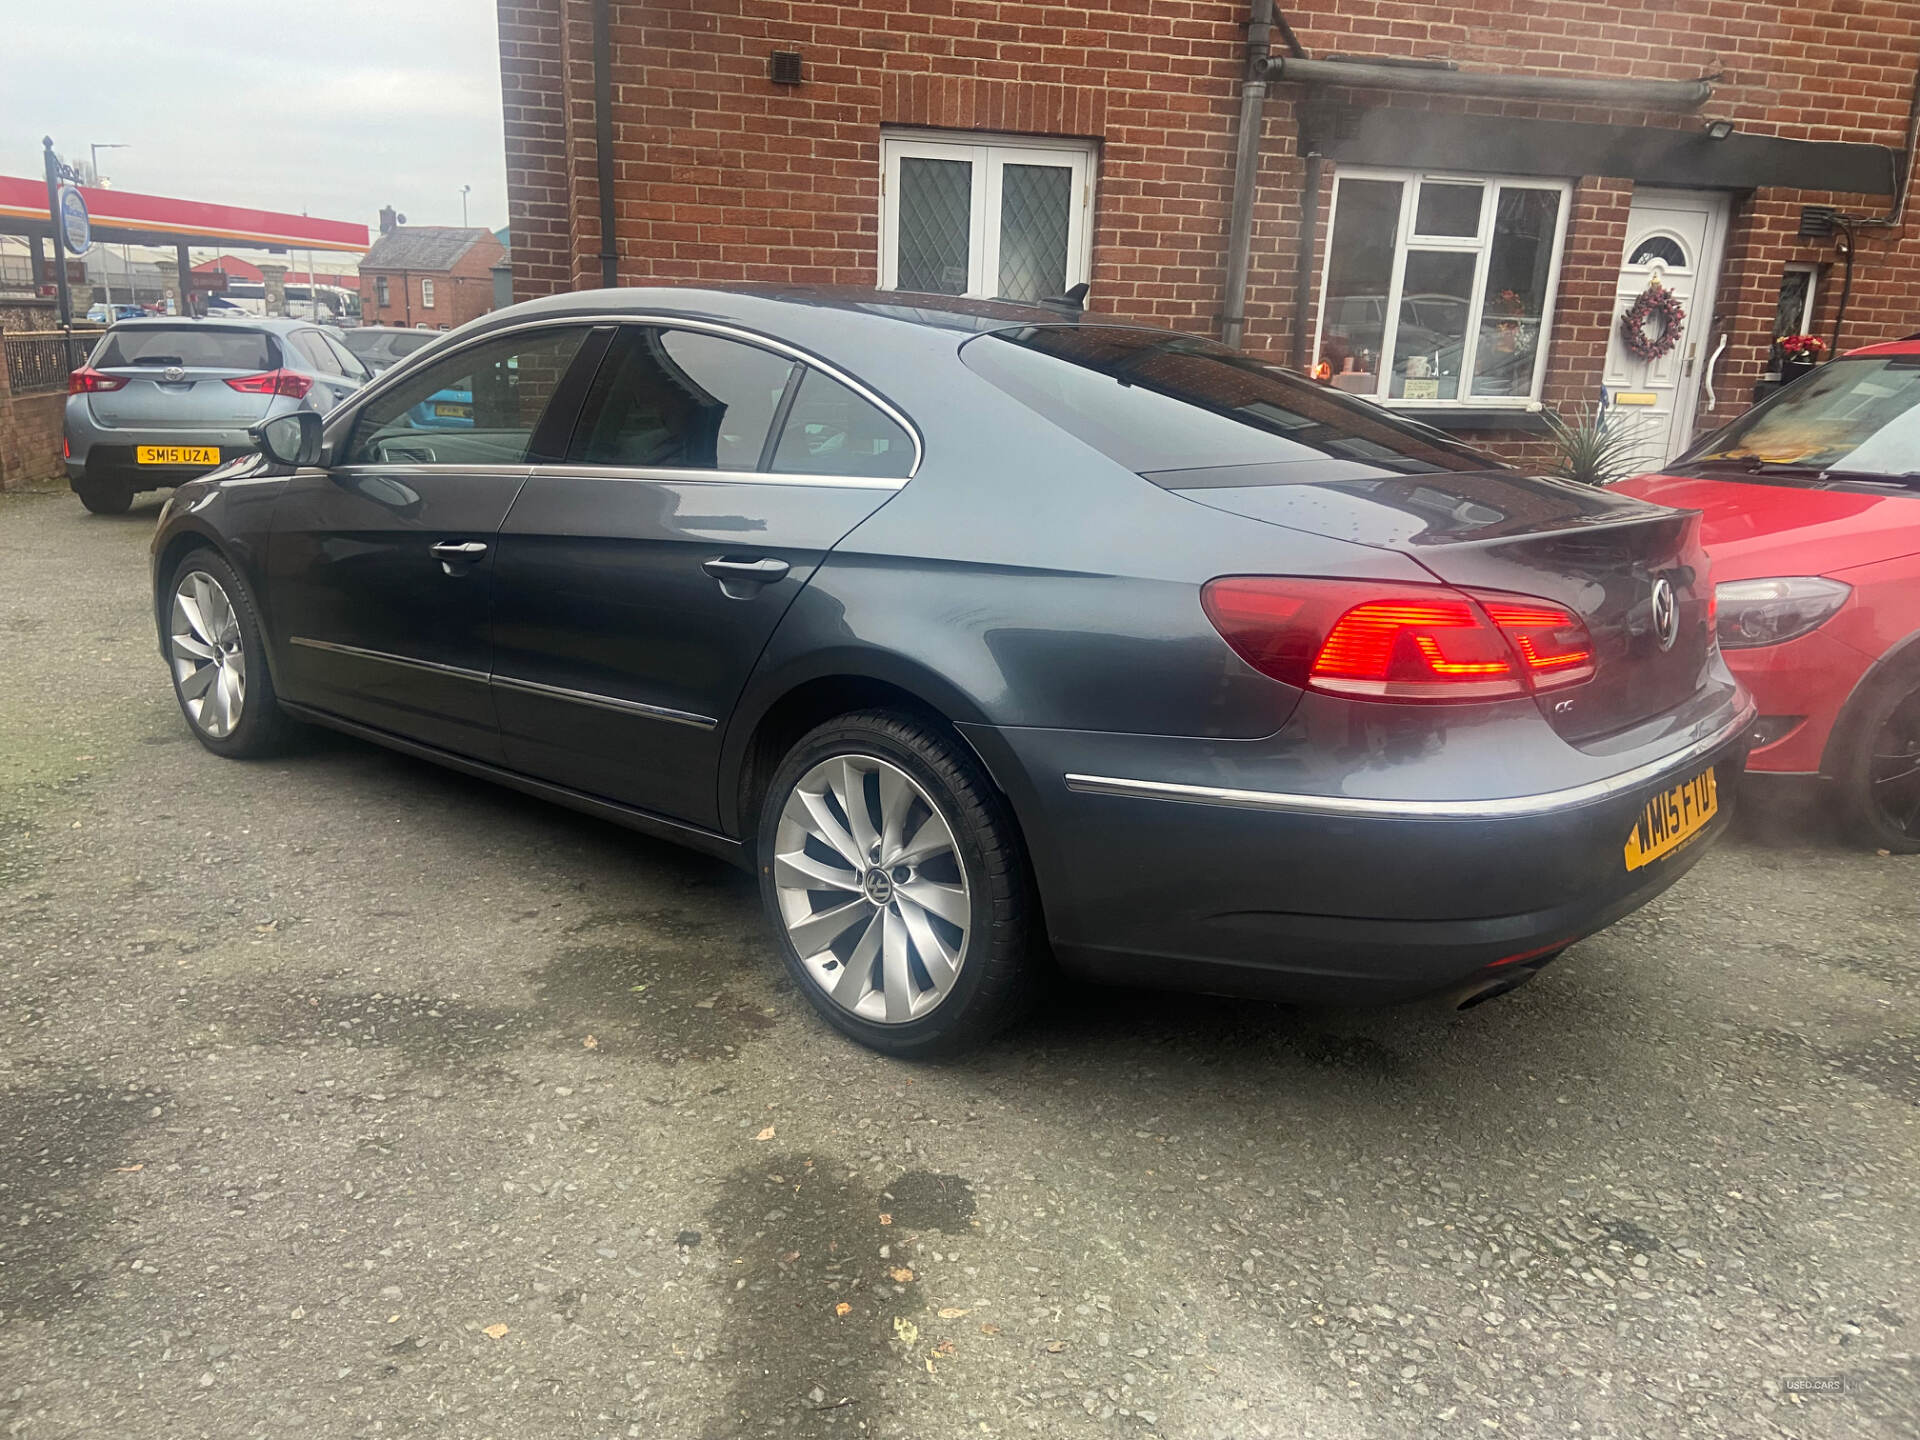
(989,155)
(1480,245)
(426,292)
(1811,269)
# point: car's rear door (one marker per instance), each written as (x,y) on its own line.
(381,565)
(639,581)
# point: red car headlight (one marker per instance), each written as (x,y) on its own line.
(1753,613)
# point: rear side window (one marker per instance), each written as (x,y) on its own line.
(313,348)
(206,347)
(832,431)
(683,400)
(1158,402)
(479,406)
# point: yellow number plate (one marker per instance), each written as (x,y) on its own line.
(1671,819)
(454,412)
(176,454)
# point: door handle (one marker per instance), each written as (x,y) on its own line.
(455,556)
(762,571)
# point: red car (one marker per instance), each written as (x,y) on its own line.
(1812,515)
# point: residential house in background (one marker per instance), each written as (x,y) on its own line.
(439,276)
(1488,188)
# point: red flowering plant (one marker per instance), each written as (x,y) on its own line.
(1802,347)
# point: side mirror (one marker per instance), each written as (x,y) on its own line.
(289,439)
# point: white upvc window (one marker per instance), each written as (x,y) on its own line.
(987,216)
(1438,289)
(1793,314)
(426,294)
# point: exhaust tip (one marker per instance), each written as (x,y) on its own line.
(1492,989)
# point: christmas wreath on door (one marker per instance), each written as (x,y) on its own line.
(1655,300)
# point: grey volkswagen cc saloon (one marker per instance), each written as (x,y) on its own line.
(984,634)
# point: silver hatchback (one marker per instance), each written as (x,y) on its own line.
(162,400)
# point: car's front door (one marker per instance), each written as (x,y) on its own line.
(638,582)
(380,569)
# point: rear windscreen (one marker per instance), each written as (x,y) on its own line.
(1157,402)
(191,346)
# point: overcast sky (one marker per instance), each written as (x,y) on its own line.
(335,108)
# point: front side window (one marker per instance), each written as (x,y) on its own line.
(1438,289)
(983,217)
(477,407)
(682,400)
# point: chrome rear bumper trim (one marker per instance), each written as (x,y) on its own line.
(1350,807)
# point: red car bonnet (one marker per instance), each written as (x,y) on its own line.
(1761,530)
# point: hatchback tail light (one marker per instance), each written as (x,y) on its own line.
(274,382)
(1379,641)
(89,381)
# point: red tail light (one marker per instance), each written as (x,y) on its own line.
(89,381)
(1398,642)
(274,382)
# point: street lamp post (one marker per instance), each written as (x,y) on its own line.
(106,269)
(463,205)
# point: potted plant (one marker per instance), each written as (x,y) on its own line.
(1596,446)
(1799,354)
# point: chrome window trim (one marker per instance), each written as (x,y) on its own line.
(420,469)
(434,667)
(607,702)
(669,474)
(386,380)
(1349,807)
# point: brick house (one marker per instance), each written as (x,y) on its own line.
(1490,186)
(439,276)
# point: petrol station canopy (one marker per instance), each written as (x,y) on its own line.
(124,216)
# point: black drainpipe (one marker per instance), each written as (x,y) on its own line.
(603,139)
(1261,20)
(1303,255)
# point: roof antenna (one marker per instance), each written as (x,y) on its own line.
(1075,299)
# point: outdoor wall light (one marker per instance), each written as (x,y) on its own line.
(1719,129)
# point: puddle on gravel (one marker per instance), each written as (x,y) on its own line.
(60,1145)
(667,1002)
(796,1238)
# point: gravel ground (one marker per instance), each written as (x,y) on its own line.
(342,1096)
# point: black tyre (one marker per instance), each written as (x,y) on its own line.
(894,876)
(218,660)
(1880,777)
(105,497)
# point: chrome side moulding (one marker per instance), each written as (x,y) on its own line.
(607,702)
(1350,807)
(459,672)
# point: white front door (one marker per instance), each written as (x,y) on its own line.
(1676,237)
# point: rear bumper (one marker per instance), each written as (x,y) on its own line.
(1328,898)
(114,461)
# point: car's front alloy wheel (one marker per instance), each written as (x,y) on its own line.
(209,661)
(218,659)
(1882,782)
(895,875)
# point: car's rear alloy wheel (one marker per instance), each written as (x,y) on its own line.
(871,888)
(1885,779)
(217,658)
(895,875)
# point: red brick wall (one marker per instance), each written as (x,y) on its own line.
(721,175)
